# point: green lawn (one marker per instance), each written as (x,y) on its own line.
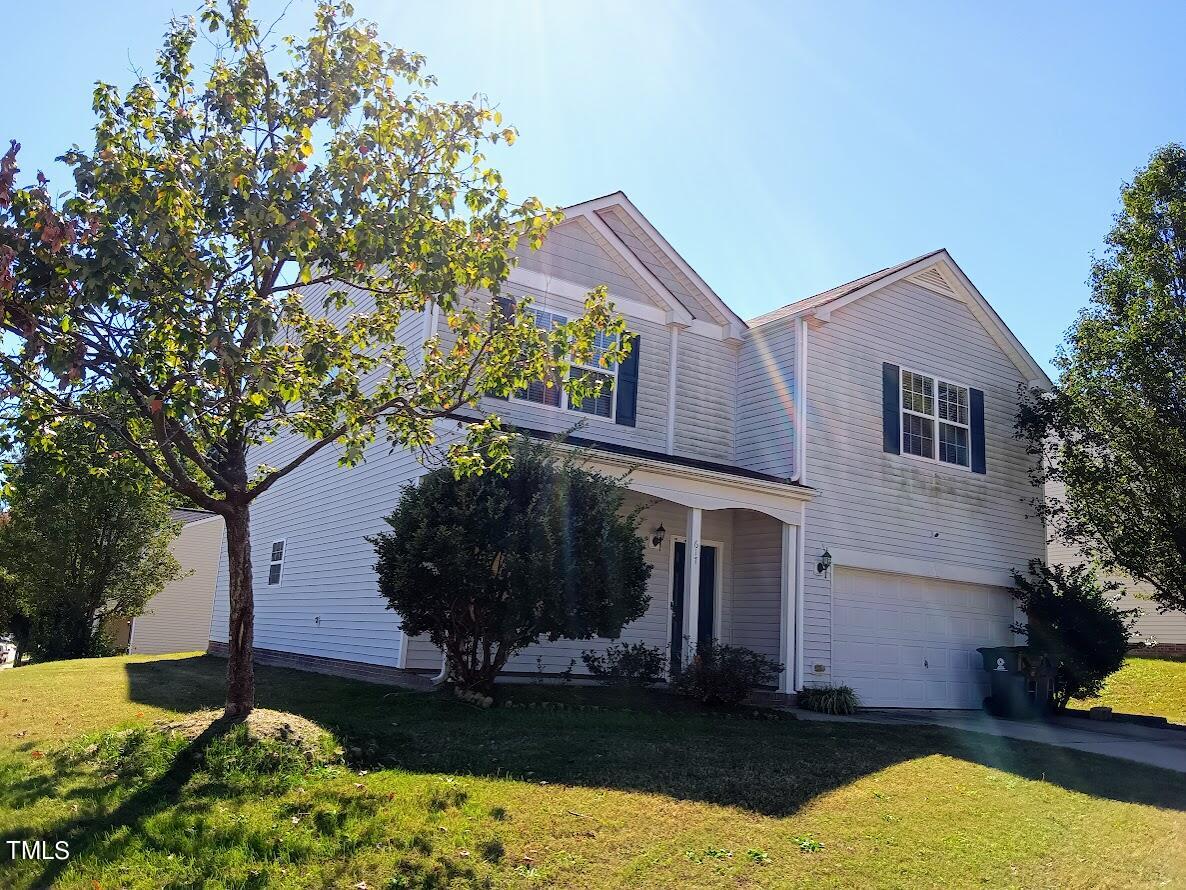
(1154,686)
(445,794)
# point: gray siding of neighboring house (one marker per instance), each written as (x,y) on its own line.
(766,392)
(1153,626)
(178,618)
(894,505)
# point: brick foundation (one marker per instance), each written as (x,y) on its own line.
(316,664)
(1160,650)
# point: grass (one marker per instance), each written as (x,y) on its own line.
(1154,686)
(438,793)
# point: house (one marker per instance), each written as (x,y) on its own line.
(834,483)
(1158,633)
(178,618)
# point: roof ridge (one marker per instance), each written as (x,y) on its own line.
(835,293)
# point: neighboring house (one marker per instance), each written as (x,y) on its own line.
(1164,631)
(873,422)
(178,618)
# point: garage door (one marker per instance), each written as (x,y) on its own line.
(910,642)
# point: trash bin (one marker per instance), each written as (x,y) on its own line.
(1020,681)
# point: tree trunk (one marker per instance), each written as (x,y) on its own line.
(240,670)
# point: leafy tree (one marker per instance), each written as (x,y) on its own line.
(1073,618)
(14,611)
(1113,431)
(86,538)
(487,565)
(235,258)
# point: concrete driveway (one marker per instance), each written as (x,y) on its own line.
(1144,744)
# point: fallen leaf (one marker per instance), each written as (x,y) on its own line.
(37,755)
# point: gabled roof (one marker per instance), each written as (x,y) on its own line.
(936,271)
(835,293)
(651,258)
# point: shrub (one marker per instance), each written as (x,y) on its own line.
(488,564)
(1072,618)
(725,675)
(627,664)
(829,699)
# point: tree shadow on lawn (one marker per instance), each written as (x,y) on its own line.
(769,767)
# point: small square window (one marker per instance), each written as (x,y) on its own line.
(277,551)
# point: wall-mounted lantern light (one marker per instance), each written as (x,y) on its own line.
(825,563)
(658,536)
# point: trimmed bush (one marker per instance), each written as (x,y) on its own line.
(829,699)
(627,664)
(725,675)
(1073,618)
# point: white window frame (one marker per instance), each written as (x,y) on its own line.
(564,405)
(283,542)
(934,418)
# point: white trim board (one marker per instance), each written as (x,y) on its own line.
(706,489)
(924,568)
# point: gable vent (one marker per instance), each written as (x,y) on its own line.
(933,279)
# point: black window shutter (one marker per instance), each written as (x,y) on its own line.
(506,309)
(976,403)
(627,397)
(891,413)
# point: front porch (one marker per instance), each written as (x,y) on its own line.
(726,552)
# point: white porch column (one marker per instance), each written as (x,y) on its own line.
(788,611)
(692,580)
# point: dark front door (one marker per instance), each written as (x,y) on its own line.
(708,598)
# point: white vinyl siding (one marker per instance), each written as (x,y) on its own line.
(328,604)
(706,398)
(766,390)
(878,503)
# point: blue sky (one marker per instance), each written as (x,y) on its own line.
(781,147)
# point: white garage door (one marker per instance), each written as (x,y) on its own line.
(910,642)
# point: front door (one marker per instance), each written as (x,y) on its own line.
(708,599)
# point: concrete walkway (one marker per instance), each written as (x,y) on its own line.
(1144,744)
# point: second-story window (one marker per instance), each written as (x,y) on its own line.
(550,392)
(935,420)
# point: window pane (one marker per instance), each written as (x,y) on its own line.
(277,551)
(953,403)
(953,444)
(541,393)
(601,342)
(918,393)
(918,435)
(274,573)
(601,405)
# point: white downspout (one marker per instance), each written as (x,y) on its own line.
(444,674)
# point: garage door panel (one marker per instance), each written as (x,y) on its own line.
(903,641)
